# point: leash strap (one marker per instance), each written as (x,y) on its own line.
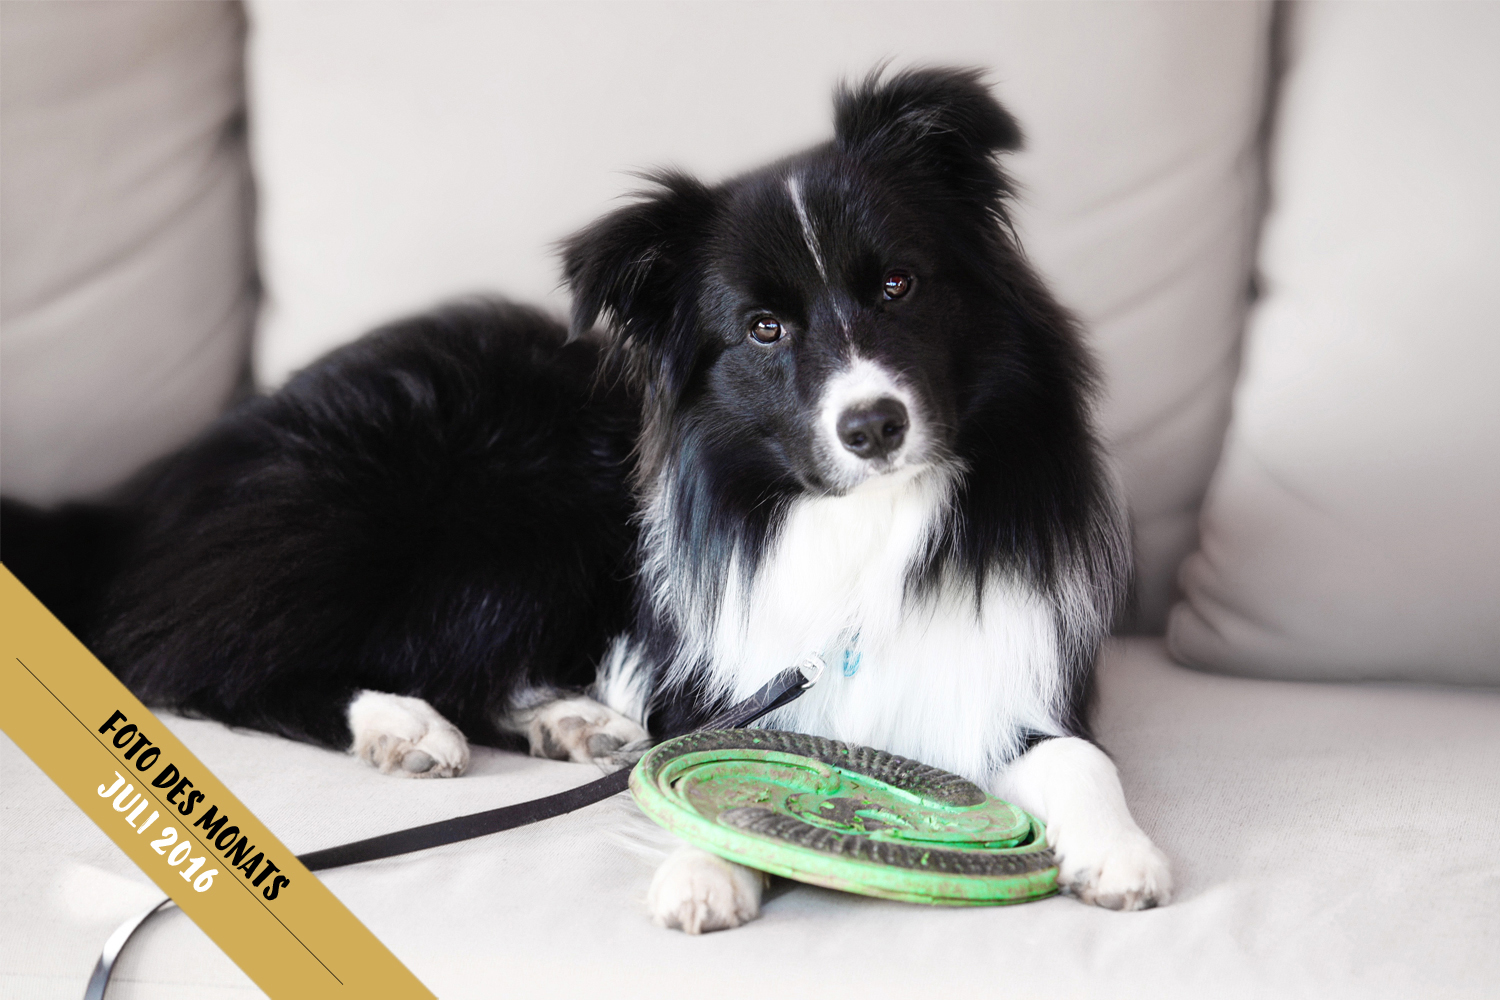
(781,689)
(785,687)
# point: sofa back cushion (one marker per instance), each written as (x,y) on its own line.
(128,291)
(1353,527)
(406,153)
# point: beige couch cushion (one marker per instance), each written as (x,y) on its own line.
(1330,842)
(1353,529)
(406,153)
(126,294)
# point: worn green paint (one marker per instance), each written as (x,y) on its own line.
(844,817)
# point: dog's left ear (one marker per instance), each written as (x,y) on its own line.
(942,124)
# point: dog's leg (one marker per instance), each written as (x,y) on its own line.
(605,729)
(696,891)
(405,736)
(692,890)
(577,728)
(1103,857)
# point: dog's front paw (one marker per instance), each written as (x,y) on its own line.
(584,731)
(1118,870)
(406,737)
(630,754)
(1103,858)
(696,891)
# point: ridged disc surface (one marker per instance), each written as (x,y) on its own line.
(844,816)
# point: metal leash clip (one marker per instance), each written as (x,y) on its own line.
(811,667)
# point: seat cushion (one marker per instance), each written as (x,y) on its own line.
(406,153)
(1329,841)
(1353,526)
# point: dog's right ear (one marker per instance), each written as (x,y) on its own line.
(634,269)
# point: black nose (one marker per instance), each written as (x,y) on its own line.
(873,430)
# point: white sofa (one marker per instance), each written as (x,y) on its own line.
(1280,225)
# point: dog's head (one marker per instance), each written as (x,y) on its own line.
(831,319)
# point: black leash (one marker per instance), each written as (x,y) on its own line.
(785,687)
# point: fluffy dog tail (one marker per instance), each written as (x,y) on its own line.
(67,556)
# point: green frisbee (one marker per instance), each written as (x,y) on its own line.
(844,816)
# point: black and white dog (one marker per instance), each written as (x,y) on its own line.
(831,410)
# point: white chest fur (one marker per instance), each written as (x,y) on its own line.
(946,679)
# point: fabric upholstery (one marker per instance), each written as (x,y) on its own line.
(407,153)
(1353,528)
(127,292)
(1329,841)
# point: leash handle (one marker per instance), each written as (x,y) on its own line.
(99,980)
(780,690)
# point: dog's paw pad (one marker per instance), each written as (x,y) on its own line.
(1122,872)
(604,744)
(417,761)
(697,892)
(584,731)
(406,737)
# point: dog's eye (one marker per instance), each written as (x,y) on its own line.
(897,284)
(766,330)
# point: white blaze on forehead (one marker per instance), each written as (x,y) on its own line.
(794,188)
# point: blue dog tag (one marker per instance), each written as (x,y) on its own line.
(852,657)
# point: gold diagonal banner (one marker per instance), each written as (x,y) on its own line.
(175,820)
